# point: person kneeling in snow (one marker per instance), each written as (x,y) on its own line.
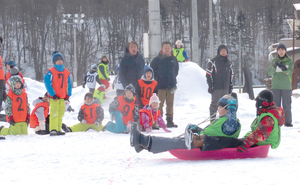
(150,114)
(39,114)
(90,116)
(226,126)
(17,109)
(125,109)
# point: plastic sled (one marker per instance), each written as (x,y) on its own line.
(225,153)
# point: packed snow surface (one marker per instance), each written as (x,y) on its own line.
(106,158)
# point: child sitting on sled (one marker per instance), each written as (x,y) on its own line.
(226,125)
(90,116)
(150,114)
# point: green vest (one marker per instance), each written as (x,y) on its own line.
(275,136)
(101,76)
(178,53)
(99,94)
(215,128)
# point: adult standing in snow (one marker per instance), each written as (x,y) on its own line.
(165,67)
(179,52)
(131,65)
(219,77)
(281,68)
(2,77)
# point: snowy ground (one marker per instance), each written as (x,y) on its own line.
(106,158)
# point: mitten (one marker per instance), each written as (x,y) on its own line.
(167,130)
(282,67)
(243,147)
(11,120)
(97,123)
(55,97)
(67,97)
(275,64)
(84,122)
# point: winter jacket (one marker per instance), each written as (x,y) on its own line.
(148,116)
(131,68)
(281,79)
(165,71)
(265,129)
(49,78)
(180,54)
(91,78)
(219,74)
(91,113)
(103,71)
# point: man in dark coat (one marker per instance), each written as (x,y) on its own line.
(219,77)
(131,65)
(165,67)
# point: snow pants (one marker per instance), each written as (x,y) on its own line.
(162,144)
(57,111)
(105,82)
(117,127)
(165,95)
(81,127)
(16,129)
(215,97)
(284,96)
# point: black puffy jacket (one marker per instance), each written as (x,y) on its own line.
(165,71)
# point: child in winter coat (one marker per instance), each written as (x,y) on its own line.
(125,109)
(100,93)
(179,52)
(9,65)
(39,114)
(146,87)
(17,109)
(59,86)
(90,116)
(14,71)
(91,78)
(103,71)
(150,113)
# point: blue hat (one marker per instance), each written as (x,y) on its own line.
(148,68)
(224,100)
(57,56)
(11,63)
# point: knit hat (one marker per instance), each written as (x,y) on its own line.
(154,98)
(178,42)
(146,69)
(10,63)
(130,87)
(264,99)
(224,100)
(57,56)
(14,71)
(222,47)
(281,45)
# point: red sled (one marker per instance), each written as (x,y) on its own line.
(225,153)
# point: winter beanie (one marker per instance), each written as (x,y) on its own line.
(222,47)
(154,98)
(130,88)
(146,69)
(281,45)
(264,99)
(224,100)
(57,56)
(14,71)
(178,42)
(10,63)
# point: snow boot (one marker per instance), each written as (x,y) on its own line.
(42,132)
(288,124)
(198,140)
(56,133)
(138,139)
(138,148)
(60,133)
(170,123)
(66,128)
(2,138)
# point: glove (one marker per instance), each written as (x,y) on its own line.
(243,148)
(28,119)
(67,97)
(55,97)
(282,67)
(84,122)
(195,129)
(275,64)
(210,88)
(11,120)
(167,130)
(97,123)
(83,86)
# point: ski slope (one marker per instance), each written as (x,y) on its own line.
(105,158)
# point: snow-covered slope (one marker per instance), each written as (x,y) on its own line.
(106,158)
